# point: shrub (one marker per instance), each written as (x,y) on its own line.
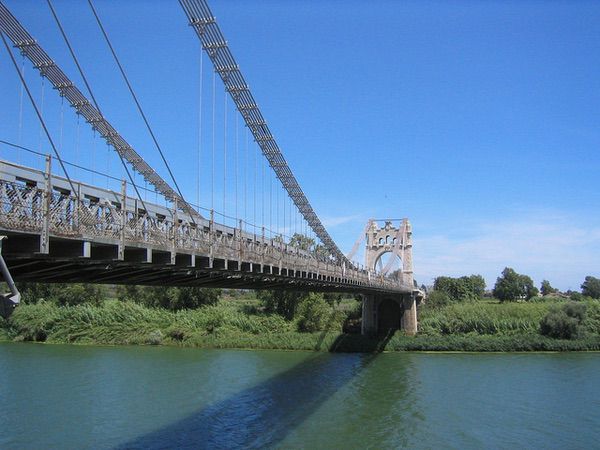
(154,338)
(576,296)
(282,302)
(31,293)
(563,322)
(313,313)
(171,298)
(437,299)
(77,294)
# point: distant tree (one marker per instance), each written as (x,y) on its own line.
(476,284)
(591,287)
(321,251)
(546,288)
(130,293)
(172,298)
(79,293)
(333,298)
(461,289)
(512,286)
(302,241)
(282,302)
(34,292)
(191,297)
(62,294)
(530,290)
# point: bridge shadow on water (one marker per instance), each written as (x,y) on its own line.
(263,415)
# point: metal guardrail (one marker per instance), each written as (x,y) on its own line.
(111,217)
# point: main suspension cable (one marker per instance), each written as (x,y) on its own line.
(37,111)
(88,87)
(141,111)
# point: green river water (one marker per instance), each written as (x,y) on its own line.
(77,397)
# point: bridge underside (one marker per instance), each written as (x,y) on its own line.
(79,261)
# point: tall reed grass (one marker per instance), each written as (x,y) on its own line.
(471,327)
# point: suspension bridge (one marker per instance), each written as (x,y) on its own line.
(67,220)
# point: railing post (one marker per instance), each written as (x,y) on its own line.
(175,229)
(136,217)
(45,238)
(123,219)
(77,213)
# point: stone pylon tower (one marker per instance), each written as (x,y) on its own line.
(390,239)
(383,313)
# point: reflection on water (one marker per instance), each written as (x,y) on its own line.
(133,397)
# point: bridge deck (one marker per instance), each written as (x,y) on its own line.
(105,238)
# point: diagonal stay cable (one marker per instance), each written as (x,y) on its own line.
(87,85)
(139,107)
(37,111)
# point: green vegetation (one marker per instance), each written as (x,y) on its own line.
(478,326)
(512,286)
(461,289)
(118,322)
(179,316)
(564,322)
(591,287)
(547,289)
(4,335)
(456,317)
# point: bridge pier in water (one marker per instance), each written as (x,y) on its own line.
(382,313)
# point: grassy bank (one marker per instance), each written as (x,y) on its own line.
(500,319)
(477,326)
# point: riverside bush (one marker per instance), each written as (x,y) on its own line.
(62,294)
(563,322)
(4,329)
(313,313)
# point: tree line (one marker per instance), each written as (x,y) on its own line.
(510,286)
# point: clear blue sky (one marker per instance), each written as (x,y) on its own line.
(477,120)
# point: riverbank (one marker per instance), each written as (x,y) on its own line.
(473,327)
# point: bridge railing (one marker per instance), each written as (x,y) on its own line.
(97,215)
